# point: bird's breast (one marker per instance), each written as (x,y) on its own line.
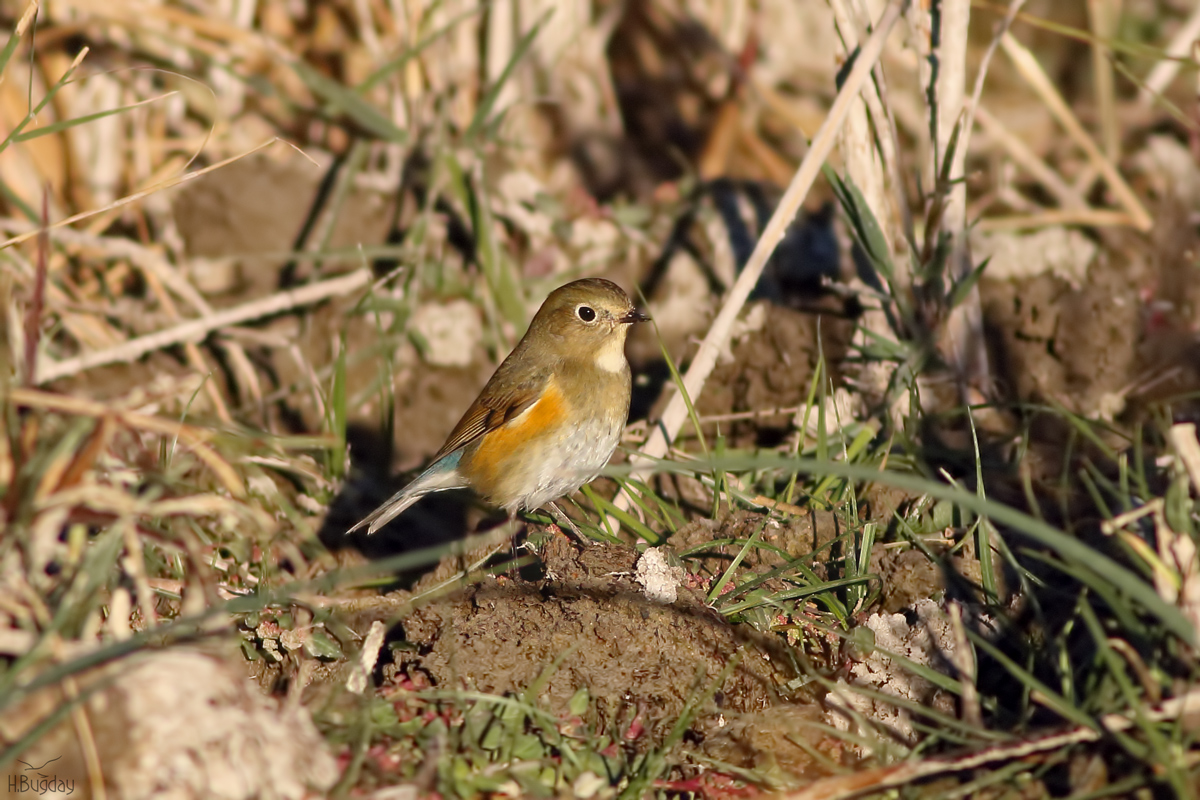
(499,449)
(556,445)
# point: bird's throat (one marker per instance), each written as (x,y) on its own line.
(610,356)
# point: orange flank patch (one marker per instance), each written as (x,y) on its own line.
(492,463)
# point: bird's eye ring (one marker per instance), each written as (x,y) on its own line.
(586,313)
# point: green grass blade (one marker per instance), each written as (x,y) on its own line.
(53,90)
(14,38)
(500,272)
(728,575)
(66,124)
(1050,698)
(337,414)
(868,232)
(1096,565)
(483,113)
(677,379)
(625,518)
(340,99)
(381,74)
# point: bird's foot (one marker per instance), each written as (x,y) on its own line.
(565,523)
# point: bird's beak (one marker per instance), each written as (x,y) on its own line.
(635,316)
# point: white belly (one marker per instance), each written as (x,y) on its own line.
(563,466)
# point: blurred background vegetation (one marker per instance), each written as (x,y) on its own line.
(256,257)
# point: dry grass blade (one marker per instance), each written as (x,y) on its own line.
(190,435)
(1183,709)
(33,318)
(1103,15)
(136,196)
(868,145)
(1183,438)
(1091,217)
(1165,71)
(84,461)
(964,329)
(162,277)
(1014,8)
(702,365)
(197,329)
(477,177)
(1026,159)
(1037,79)
(192,351)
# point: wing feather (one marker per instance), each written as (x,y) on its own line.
(495,406)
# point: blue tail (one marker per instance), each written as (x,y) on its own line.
(439,476)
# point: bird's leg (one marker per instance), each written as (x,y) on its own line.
(513,523)
(565,522)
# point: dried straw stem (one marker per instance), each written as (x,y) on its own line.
(842,787)
(1103,15)
(1087,217)
(1177,51)
(197,330)
(949,113)
(133,198)
(702,365)
(869,153)
(1024,157)
(190,435)
(1036,77)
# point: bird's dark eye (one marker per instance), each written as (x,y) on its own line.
(586,313)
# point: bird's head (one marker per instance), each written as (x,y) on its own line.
(588,317)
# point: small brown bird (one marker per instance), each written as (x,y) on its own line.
(550,417)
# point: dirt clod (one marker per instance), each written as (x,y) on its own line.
(635,656)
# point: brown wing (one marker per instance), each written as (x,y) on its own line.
(495,406)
